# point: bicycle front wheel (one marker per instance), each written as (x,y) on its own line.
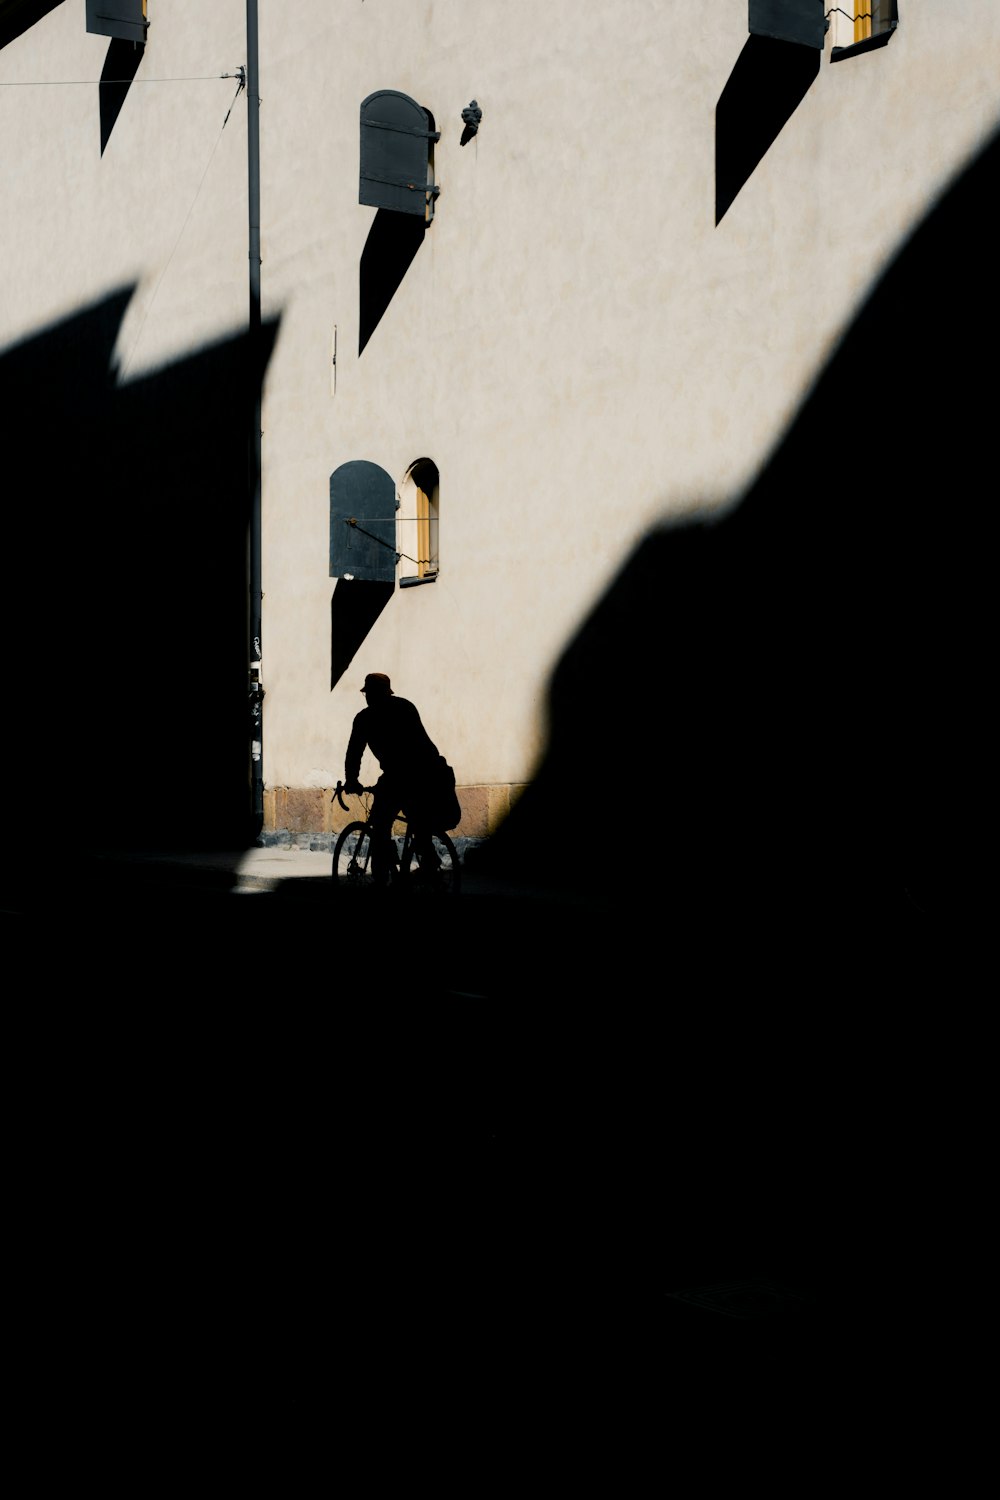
(434,867)
(352,858)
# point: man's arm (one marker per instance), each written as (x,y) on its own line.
(355,749)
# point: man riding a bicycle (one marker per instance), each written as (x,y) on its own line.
(416,779)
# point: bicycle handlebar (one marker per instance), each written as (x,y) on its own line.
(338,794)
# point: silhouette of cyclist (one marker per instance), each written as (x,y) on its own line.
(413,768)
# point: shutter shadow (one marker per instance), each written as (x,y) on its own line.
(767,85)
(354,608)
(393,241)
(120,67)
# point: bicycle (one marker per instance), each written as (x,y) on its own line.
(421,860)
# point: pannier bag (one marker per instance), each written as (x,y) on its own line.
(447,808)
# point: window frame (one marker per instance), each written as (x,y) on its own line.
(419,515)
(848,23)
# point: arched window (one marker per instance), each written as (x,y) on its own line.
(419,517)
(861,26)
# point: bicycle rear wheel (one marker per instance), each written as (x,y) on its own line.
(352,858)
(434,866)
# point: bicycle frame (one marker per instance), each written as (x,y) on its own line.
(424,853)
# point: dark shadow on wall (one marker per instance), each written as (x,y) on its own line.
(120,67)
(780,725)
(129,519)
(767,85)
(392,242)
(808,670)
(355,605)
(17,16)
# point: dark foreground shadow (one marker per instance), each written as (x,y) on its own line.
(787,795)
(686,1137)
(128,510)
(801,684)
(17,18)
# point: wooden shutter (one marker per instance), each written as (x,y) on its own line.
(789,21)
(362,523)
(395,153)
(125,19)
(885,16)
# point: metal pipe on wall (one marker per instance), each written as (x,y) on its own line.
(256,690)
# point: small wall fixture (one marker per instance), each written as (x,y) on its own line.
(472,115)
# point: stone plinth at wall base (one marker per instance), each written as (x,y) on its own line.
(312,810)
(484,808)
(302,810)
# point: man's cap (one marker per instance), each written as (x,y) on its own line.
(379,681)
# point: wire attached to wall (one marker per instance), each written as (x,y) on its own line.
(69,83)
(421,562)
(241,74)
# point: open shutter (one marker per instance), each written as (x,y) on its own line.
(789,21)
(362,523)
(125,19)
(395,154)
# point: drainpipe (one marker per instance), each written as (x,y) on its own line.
(256,690)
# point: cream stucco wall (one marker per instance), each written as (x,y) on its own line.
(577,345)
(164,207)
